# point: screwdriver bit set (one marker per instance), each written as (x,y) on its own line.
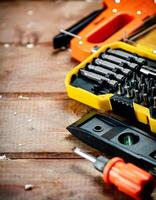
(118,77)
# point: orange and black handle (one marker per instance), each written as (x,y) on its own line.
(116,21)
(128,178)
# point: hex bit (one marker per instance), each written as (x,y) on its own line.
(120,89)
(153,91)
(128,91)
(107,73)
(145,99)
(120,61)
(115,68)
(127,56)
(98,78)
(137,98)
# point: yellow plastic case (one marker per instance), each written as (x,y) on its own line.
(102,102)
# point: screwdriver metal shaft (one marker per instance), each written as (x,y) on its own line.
(113,174)
(85,155)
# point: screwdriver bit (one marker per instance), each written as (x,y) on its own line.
(154,102)
(134,84)
(106,72)
(128,91)
(120,90)
(134,77)
(151,82)
(153,108)
(136,96)
(120,61)
(112,66)
(147,72)
(145,99)
(98,78)
(128,56)
(143,88)
(153,91)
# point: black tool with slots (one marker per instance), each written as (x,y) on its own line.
(117,138)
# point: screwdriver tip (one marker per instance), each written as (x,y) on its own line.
(84,155)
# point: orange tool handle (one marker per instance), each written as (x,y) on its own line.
(128,178)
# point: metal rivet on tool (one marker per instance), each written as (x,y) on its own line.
(117,1)
(114,10)
(80,42)
(138,12)
(6,45)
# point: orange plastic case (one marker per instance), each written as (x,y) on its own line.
(113,24)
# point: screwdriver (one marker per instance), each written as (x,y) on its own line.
(127,177)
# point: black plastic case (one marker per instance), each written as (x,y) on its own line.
(116,138)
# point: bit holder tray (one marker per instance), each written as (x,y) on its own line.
(118,77)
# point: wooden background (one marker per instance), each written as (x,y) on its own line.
(34,108)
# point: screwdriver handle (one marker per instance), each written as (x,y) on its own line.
(128,178)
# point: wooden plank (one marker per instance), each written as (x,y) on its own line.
(37,128)
(37,70)
(39,21)
(55,180)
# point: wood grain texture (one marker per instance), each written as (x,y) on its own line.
(54,180)
(38,21)
(37,70)
(37,128)
(35,110)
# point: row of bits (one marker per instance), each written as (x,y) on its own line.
(139,88)
(119,72)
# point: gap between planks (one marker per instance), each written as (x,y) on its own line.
(34,95)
